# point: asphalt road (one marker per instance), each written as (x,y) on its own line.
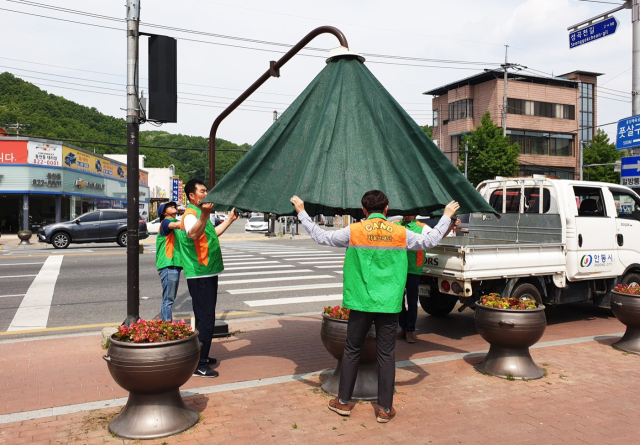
(262,277)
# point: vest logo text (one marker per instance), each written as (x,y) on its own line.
(382,226)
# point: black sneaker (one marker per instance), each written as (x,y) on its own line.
(211,361)
(205,371)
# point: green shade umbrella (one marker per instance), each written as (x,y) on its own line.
(345,134)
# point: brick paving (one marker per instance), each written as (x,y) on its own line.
(590,394)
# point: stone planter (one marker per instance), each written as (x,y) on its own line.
(510,333)
(153,374)
(25,236)
(334,336)
(626,308)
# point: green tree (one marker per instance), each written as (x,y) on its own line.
(490,153)
(601,151)
(428,129)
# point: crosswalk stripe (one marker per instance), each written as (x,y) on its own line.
(318,255)
(256,290)
(265,272)
(245,263)
(33,312)
(268,280)
(268,266)
(307,257)
(238,256)
(277,301)
(338,271)
(332,266)
(321,262)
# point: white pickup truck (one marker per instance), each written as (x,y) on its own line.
(557,241)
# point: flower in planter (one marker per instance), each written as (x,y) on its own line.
(496,301)
(626,289)
(153,331)
(339,312)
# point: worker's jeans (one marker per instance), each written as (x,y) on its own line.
(357,328)
(170,278)
(409,312)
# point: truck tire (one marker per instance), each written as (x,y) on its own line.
(527,290)
(60,240)
(438,304)
(122,238)
(631,279)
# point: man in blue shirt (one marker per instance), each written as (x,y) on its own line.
(167,257)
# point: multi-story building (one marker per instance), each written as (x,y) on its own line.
(550,117)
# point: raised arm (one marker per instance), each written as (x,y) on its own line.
(336,238)
(431,239)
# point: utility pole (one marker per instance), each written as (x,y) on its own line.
(17,126)
(635,61)
(504,98)
(133,150)
(466,159)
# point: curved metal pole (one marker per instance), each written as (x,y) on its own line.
(273,71)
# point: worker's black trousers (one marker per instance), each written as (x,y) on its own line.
(204,295)
(386,330)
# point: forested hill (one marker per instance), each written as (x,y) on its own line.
(55,117)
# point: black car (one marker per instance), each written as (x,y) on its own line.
(99,226)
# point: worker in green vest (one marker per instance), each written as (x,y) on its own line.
(202,263)
(375,272)
(415,259)
(167,257)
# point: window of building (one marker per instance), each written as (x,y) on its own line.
(586,111)
(435,118)
(589,201)
(461,109)
(532,143)
(542,109)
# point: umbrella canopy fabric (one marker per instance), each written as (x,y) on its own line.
(344,135)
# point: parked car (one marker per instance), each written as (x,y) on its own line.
(153,227)
(99,226)
(215,220)
(257,224)
(221,216)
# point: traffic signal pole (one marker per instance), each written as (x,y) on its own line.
(133,196)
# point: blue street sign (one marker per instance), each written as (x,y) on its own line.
(175,186)
(628,133)
(593,32)
(630,170)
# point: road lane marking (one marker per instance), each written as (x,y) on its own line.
(237,256)
(321,258)
(332,266)
(21,264)
(33,312)
(338,271)
(10,296)
(258,267)
(313,255)
(291,300)
(18,276)
(268,280)
(256,290)
(264,272)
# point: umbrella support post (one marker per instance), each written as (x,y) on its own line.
(273,71)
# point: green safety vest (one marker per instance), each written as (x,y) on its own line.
(375,266)
(415,258)
(167,251)
(202,257)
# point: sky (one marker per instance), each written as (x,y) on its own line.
(87,64)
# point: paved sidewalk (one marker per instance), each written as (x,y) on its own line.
(268,389)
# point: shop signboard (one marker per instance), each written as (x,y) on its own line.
(90,163)
(181,197)
(13,152)
(175,186)
(44,153)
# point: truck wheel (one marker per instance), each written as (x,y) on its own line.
(631,279)
(60,240)
(438,305)
(122,238)
(527,291)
